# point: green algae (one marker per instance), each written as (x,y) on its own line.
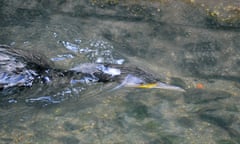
(138,111)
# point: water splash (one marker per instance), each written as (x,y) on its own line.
(45,100)
(97,51)
(62,57)
(70,46)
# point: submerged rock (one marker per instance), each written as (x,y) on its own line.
(198,96)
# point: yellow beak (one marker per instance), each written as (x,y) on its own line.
(149,85)
(159,85)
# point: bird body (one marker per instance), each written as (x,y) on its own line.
(20,68)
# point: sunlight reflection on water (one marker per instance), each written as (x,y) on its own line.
(97,51)
(178,39)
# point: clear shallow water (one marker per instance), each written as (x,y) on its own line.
(176,41)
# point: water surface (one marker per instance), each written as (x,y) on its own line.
(184,43)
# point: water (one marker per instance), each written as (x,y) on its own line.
(184,43)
